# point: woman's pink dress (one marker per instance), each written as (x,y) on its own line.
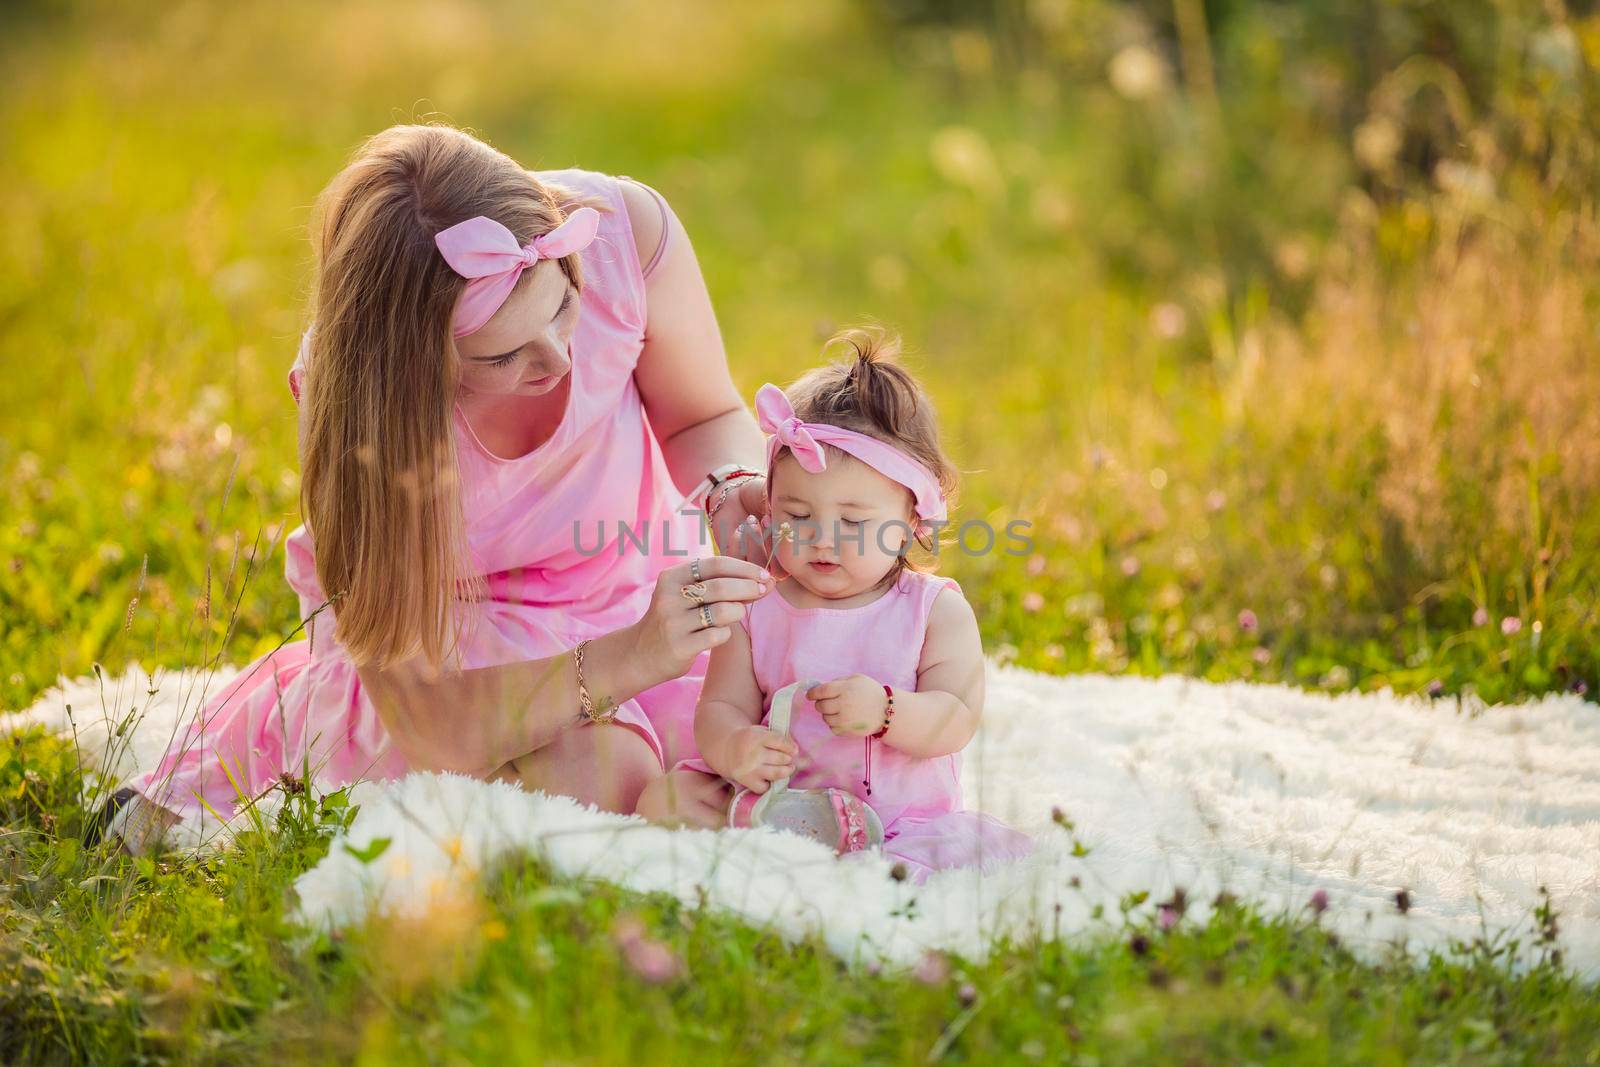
(545,531)
(917,798)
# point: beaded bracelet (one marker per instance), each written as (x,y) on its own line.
(888,712)
(716,479)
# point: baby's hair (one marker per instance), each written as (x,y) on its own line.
(871,392)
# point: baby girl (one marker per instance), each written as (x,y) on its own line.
(876,664)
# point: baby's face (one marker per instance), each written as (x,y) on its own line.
(849,523)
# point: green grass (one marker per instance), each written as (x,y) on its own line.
(1197,349)
(108,959)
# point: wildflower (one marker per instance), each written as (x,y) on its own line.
(1261,654)
(1130,566)
(1435,688)
(932,969)
(1248,621)
(651,960)
(1167,917)
(967,994)
(1138,73)
(962,156)
(1032,603)
(1480,617)
(1510,625)
(1168,320)
(1140,945)
(1580,687)
(1377,141)
(1179,902)
(1319,901)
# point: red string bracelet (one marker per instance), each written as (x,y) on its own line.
(888,713)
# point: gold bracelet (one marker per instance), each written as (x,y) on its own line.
(734,482)
(607,711)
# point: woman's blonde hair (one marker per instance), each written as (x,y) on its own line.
(871,392)
(379,488)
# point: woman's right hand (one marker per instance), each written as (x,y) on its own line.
(673,631)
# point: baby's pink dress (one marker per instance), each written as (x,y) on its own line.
(918,799)
(534,526)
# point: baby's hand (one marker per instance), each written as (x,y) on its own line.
(757,757)
(851,706)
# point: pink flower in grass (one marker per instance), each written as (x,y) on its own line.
(1480,617)
(932,969)
(652,961)
(1248,621)
(1510,625)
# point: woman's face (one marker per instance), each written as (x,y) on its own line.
(849,523)
(525,349)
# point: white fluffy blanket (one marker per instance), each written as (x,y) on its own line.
(1266,791)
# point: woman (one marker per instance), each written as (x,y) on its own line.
(508,376)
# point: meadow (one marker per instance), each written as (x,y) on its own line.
(1278,322)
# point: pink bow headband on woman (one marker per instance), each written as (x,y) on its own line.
(486,252)
(805,439)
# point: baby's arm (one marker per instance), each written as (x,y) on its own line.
(942,715)
(727,721)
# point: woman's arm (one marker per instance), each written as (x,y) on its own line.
(475,721)
(682,373)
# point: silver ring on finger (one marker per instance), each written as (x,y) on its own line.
(705,617)
(694,569)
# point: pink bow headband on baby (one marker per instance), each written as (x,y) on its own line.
(805,439)
(486,252)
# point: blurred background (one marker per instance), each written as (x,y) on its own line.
(1279,321)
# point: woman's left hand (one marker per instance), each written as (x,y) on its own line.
(852,706)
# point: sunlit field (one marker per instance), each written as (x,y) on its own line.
(1279,323)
